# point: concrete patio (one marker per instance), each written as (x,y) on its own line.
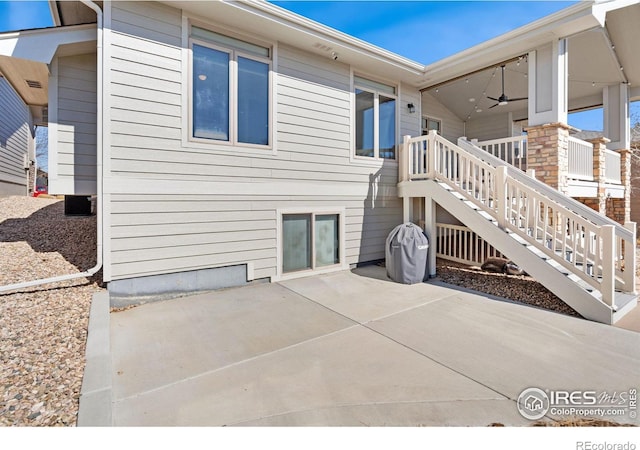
(348,348)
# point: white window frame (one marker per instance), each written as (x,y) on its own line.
(188,139)
(341,265)
(376,117)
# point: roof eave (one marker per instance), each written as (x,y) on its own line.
(299,22)
(569,21)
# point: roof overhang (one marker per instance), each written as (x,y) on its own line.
(569,21)
(277,24)
(602,37)
(25,55)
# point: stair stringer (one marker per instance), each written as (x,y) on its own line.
(554,280)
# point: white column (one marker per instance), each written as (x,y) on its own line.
(548,84)
(616,116)
(430,230)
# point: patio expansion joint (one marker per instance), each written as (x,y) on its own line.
(237,363)
(365,325)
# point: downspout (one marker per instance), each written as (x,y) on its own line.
(99,166)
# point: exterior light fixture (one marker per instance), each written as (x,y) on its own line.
(202,77)
(411,107)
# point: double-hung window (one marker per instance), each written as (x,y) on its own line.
(375,121)
(230,91)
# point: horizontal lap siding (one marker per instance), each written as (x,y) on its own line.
(195,227)
(14,137)
(487,128)
(76,125)
(452,125)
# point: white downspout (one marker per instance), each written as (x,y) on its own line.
(99,165)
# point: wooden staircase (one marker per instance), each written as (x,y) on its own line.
(584,258)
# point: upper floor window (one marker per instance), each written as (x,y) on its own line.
(230,89)
(375,119)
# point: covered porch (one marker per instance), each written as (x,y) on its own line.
(514,95)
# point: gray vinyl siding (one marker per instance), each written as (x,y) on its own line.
(452,126)
(15,141)
(75,139)
(217,206)
(487,128)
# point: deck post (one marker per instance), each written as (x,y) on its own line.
(431,154)
(501,195)
(608,264)
(630,263)
(406,209)
(403,160)
(431,231)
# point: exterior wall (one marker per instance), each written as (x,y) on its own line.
(452,126)
(487,128)
(16,140)
(177,205)
(72,125)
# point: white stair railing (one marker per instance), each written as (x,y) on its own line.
(585,243)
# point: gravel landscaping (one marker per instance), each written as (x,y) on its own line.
(519,288)
(43,329)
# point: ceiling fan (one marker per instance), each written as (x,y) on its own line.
(503,99)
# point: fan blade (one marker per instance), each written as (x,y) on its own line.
(494,105)
(517,99)
(494,99)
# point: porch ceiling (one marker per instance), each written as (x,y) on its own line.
(593,64)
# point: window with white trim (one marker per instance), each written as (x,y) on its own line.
(310,241)
(375,119)
(429,124)
(230,91)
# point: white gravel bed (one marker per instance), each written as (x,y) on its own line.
(43,329)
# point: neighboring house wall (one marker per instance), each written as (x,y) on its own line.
(176,205)
(16,141)
(72,125)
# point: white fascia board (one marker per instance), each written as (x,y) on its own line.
(602,7)
(55,15)
(302,23)
(564,23)
(293,28)
(41,45)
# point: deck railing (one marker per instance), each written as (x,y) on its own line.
(580,156)
(512,150)
(574,236)
(612,167)
(460,244)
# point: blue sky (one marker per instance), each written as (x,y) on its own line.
(403,27)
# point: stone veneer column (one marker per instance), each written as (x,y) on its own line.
(620,208)
(547,154)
